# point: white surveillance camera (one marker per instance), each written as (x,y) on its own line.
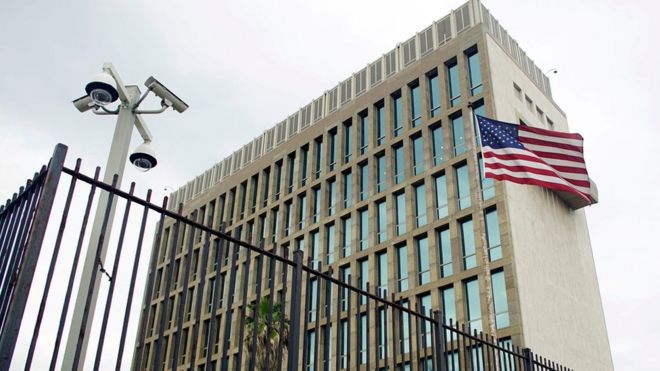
(144,157)
(102,89)
(83,103)
(169,98)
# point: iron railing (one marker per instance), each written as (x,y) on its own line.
(265,308)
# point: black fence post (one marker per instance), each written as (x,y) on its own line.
(31,257)
(440,341)
(294,341)
(529,359)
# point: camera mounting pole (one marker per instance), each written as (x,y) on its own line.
(127,118)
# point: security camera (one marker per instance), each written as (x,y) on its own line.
(169,98)
(144,157)
(102,89)
(83,103)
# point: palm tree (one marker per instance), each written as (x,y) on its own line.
(267,355)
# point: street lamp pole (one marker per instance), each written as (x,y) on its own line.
(127,116)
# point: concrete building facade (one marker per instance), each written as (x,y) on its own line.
(377,177)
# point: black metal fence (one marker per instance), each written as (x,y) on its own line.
(236,306)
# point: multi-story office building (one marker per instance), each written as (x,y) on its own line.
(378,177)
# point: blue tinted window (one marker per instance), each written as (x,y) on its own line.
(420,205)
(473,304)
(434,95)
(458,133)
(400,214)
(364,134)
(399,167)
(474,69)
(444,248)
(467,242)
(415,106)
(418,155)
(381,165)
(499,300)
(364,182)
(380,125)
(438,146)
(423,263)
(402,257)
(441,196)
(348,142)
(493,234)
(463,182)
(382,221)
(454,86)
(397,108)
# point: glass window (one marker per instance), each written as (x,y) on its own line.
(302,211)
(399,166)
(499,300)
(448,303)
(317,205)
(507,360)
(473,304)
(291,168)
(423,262)
(474,70)
(347,228)
(364,181)
(400,213)
(380,124)
(438,146)
(487,184)
(434,94)
(458,132)
(420,205)
(418,155)
(444,249)
(348,141)
(318,163)
(467,241)
(332,155)
(343,351)
(364,133)
(402,267)
(453,84)
(381,168)
(397,115)
(348,189)
(493,235)
(264,189)
(425,308)
(275,226)
(364,278)
(415,106)
(382,334)
(441,196)
(332,196)
(311,351)
(230,207)
(345,278)
(289,218)
(277,182)
(382,274)
(382,221)
(330,243)
(463,183)
(304,152)
(362,340)
(314,249)
(364,229)
(253,193)
(404,330)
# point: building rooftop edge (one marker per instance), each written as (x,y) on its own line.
(398,59)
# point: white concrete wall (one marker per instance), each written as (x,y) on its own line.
(560,305)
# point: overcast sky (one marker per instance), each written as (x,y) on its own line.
(244,66)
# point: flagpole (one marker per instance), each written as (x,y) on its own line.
(474,127)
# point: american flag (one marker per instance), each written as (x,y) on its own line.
(528,155)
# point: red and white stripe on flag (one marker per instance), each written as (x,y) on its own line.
(549,159)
